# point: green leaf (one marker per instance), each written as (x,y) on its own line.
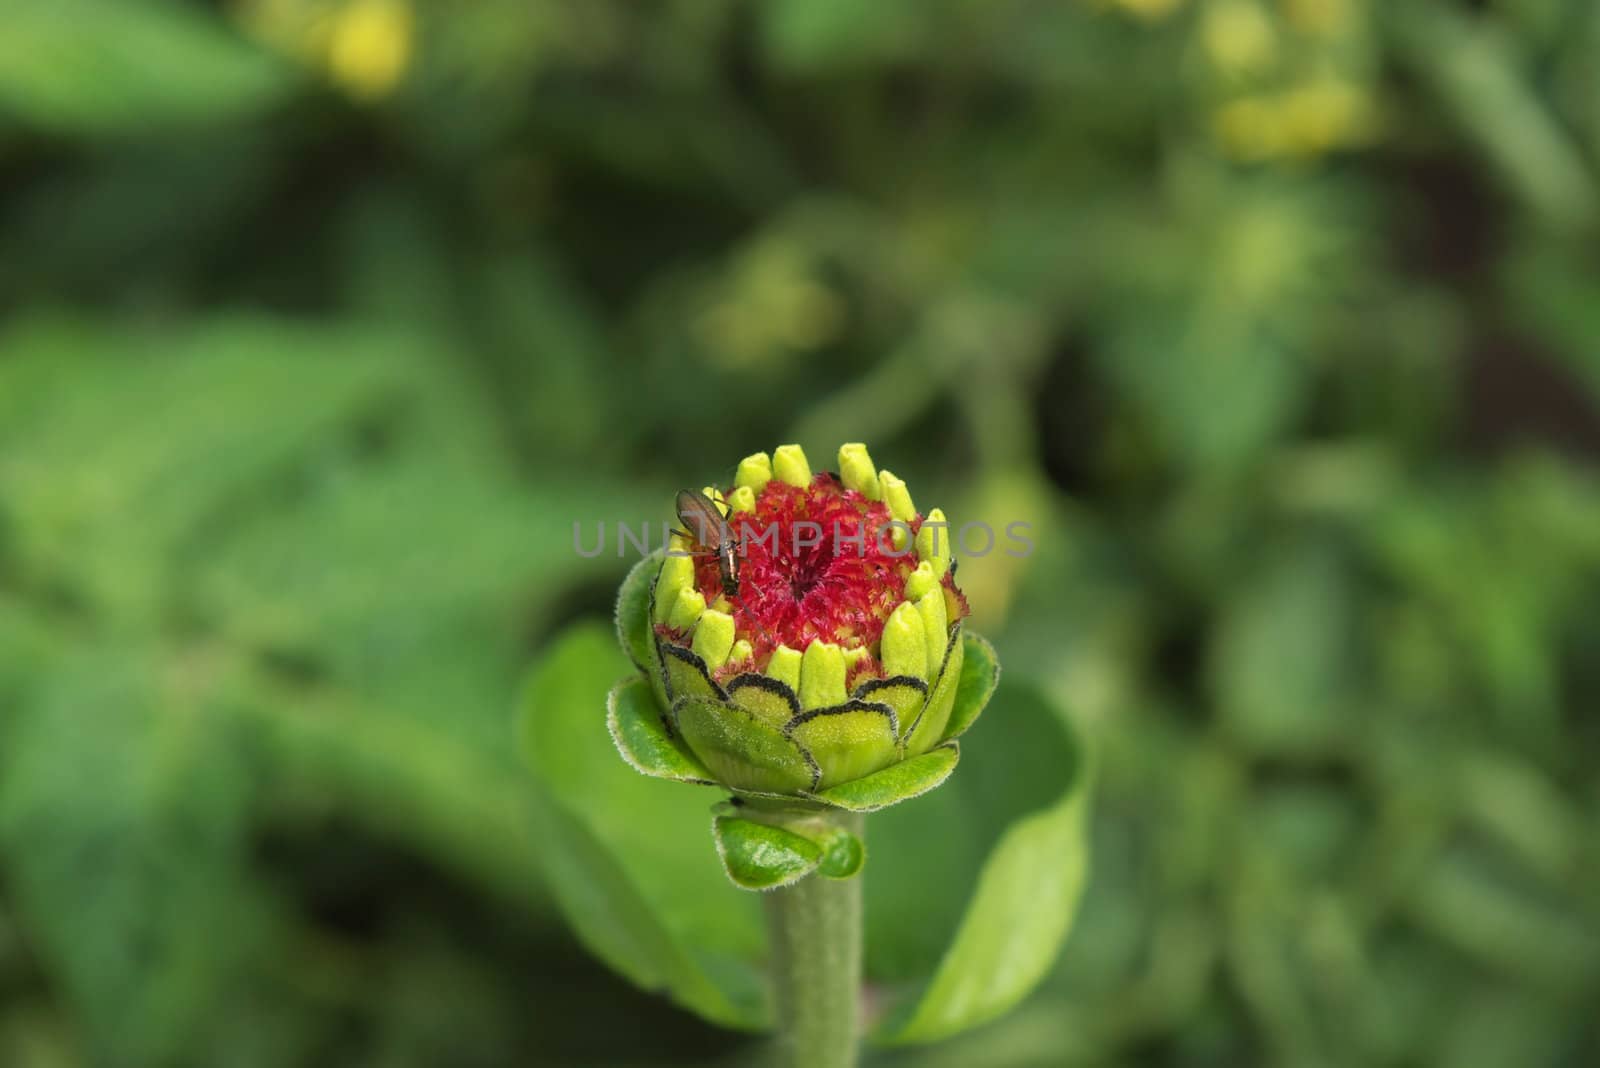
(427,782)
(641,736)
(629,858)
(843,855)
(1015,818)
(980,674)
(105,66)
(763,849)
(617,918)
(123,826)
(896,783)
(760,856)
(808,36)
(106,507)
(633,612)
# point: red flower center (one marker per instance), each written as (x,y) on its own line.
(815,564)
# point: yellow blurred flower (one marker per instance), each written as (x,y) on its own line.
(1248,128)
(370,46)
(1304,121)
(1239,37)
(1326,115)
(364,45)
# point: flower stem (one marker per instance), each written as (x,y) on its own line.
(815,928)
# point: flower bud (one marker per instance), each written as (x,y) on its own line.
(817,658)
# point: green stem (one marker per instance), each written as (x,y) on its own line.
(815,927)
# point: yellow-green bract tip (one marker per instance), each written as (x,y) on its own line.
(857,472)
(821,675)
(677,575)
(934,623)
(896,496)
(742,499)
(686,609)
(789,464)
(904,646)
(713,638)
(933,542)
(920,581)
(755,471)
(785,667)
(715,496)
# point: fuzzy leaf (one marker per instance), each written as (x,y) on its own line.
(636,726)
(633,612)
(759,856)
(843,855)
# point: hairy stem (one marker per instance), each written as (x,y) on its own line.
(815,927)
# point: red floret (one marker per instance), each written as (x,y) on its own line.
(823,586)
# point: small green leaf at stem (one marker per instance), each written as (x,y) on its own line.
(762,856)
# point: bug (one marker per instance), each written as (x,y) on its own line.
(698,514)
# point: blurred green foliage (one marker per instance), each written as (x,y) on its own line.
(325,319)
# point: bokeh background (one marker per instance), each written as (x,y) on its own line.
(324,320)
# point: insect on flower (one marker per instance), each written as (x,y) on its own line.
(710,530)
